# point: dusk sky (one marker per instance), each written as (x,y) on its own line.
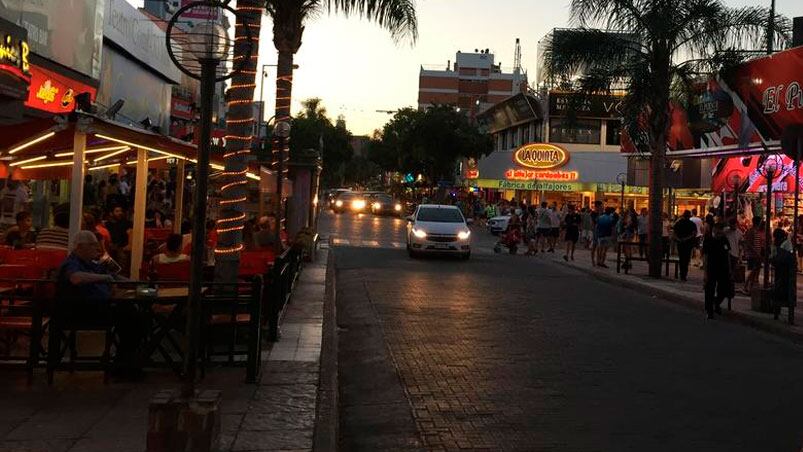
(356,68)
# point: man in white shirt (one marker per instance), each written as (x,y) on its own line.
(544,225)
(697,255)
(554,219)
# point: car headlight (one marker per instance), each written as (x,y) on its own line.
(397,207)
(339,203)
(419,233)
(463,235)
(376,205)
(358,204)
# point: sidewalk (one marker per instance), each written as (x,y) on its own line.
(688,293)
(80,413)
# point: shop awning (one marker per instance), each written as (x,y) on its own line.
(43,148)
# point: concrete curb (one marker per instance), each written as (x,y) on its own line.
(771,326)
(325,436)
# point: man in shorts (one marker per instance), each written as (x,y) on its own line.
(595,214)
(544,226)
(754,249)
(554,230)
(605,229)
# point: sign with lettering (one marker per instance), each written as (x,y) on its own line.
(15,75)
(541,156)
(535,185)
(585,106)
(53,92)
(524,174)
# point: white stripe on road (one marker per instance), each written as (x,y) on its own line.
(368,244)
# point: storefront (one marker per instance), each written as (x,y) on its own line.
(15,71)
(538,172)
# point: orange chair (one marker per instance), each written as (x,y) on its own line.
(50,259)
(22,257)
(254,263)
(157,234)
(176,271)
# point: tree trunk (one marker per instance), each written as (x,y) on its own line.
(657,183)
(281,150)
(239,132)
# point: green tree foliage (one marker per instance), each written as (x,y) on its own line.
(312,129)
(657,43)
(429,142)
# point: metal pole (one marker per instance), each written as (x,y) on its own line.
(793,302)
(208,68)
(261,104)
(767,230)
(622,197)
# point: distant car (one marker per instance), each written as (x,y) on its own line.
(350,201)
(384,204)
(333,194)
(435,228)
(497,225)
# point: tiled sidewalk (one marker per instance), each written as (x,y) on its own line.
(689,293)
(80,413)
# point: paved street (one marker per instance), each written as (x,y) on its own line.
(504,352)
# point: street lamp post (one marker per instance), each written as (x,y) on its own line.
(622,179)
(199,54)
(769,170)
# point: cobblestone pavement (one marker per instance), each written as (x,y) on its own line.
(504,353)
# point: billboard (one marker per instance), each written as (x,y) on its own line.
(54,92)
(69,32)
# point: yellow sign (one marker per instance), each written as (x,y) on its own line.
(16,53)
(47,92)
(541,156)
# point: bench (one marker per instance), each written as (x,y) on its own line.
(667,260)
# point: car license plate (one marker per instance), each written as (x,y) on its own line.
(441,246)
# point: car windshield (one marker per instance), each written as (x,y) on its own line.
(439,215)
(383,198)
(349,196)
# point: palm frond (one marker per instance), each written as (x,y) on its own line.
(397,16)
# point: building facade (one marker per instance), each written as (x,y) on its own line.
(473,83)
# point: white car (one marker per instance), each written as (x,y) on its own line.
(497,225)
(435,228)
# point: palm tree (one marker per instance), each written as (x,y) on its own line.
(289,20)
(657,44)
(239,131)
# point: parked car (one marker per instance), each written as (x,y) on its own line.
(435,228)
(332,195)
(497,225)
(384,204)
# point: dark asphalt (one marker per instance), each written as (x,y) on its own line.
(505,353)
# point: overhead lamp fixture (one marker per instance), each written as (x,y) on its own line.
(47,165)
(92,151)
(112,154)
(22,162)
(110,165)
(31,142)
(217,167)
(135,145)
(252,176)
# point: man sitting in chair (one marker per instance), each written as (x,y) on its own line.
(84,285)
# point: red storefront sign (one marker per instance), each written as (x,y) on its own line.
(181,108)
(555,175)
(53,92)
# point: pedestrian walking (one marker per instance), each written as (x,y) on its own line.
(606,225)
(784,267)
(754,249)
(643,231)
(595,214)
(587,227)
(554,230)
(698,222)
(544,226)
(686,238)
(530,232)
(572,222)
(717,269)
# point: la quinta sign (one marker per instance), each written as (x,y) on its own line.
(541,156)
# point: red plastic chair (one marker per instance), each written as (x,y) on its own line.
(23,257)
(254,263)
(176,271)
(50,259)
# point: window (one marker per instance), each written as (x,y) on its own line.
(440,215)
(614,133)
(580,131)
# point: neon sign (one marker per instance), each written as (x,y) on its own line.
(472,174)
(558,176)
(14,54)
(541,156)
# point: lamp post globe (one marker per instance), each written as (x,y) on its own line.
(282,129)
(209,41)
